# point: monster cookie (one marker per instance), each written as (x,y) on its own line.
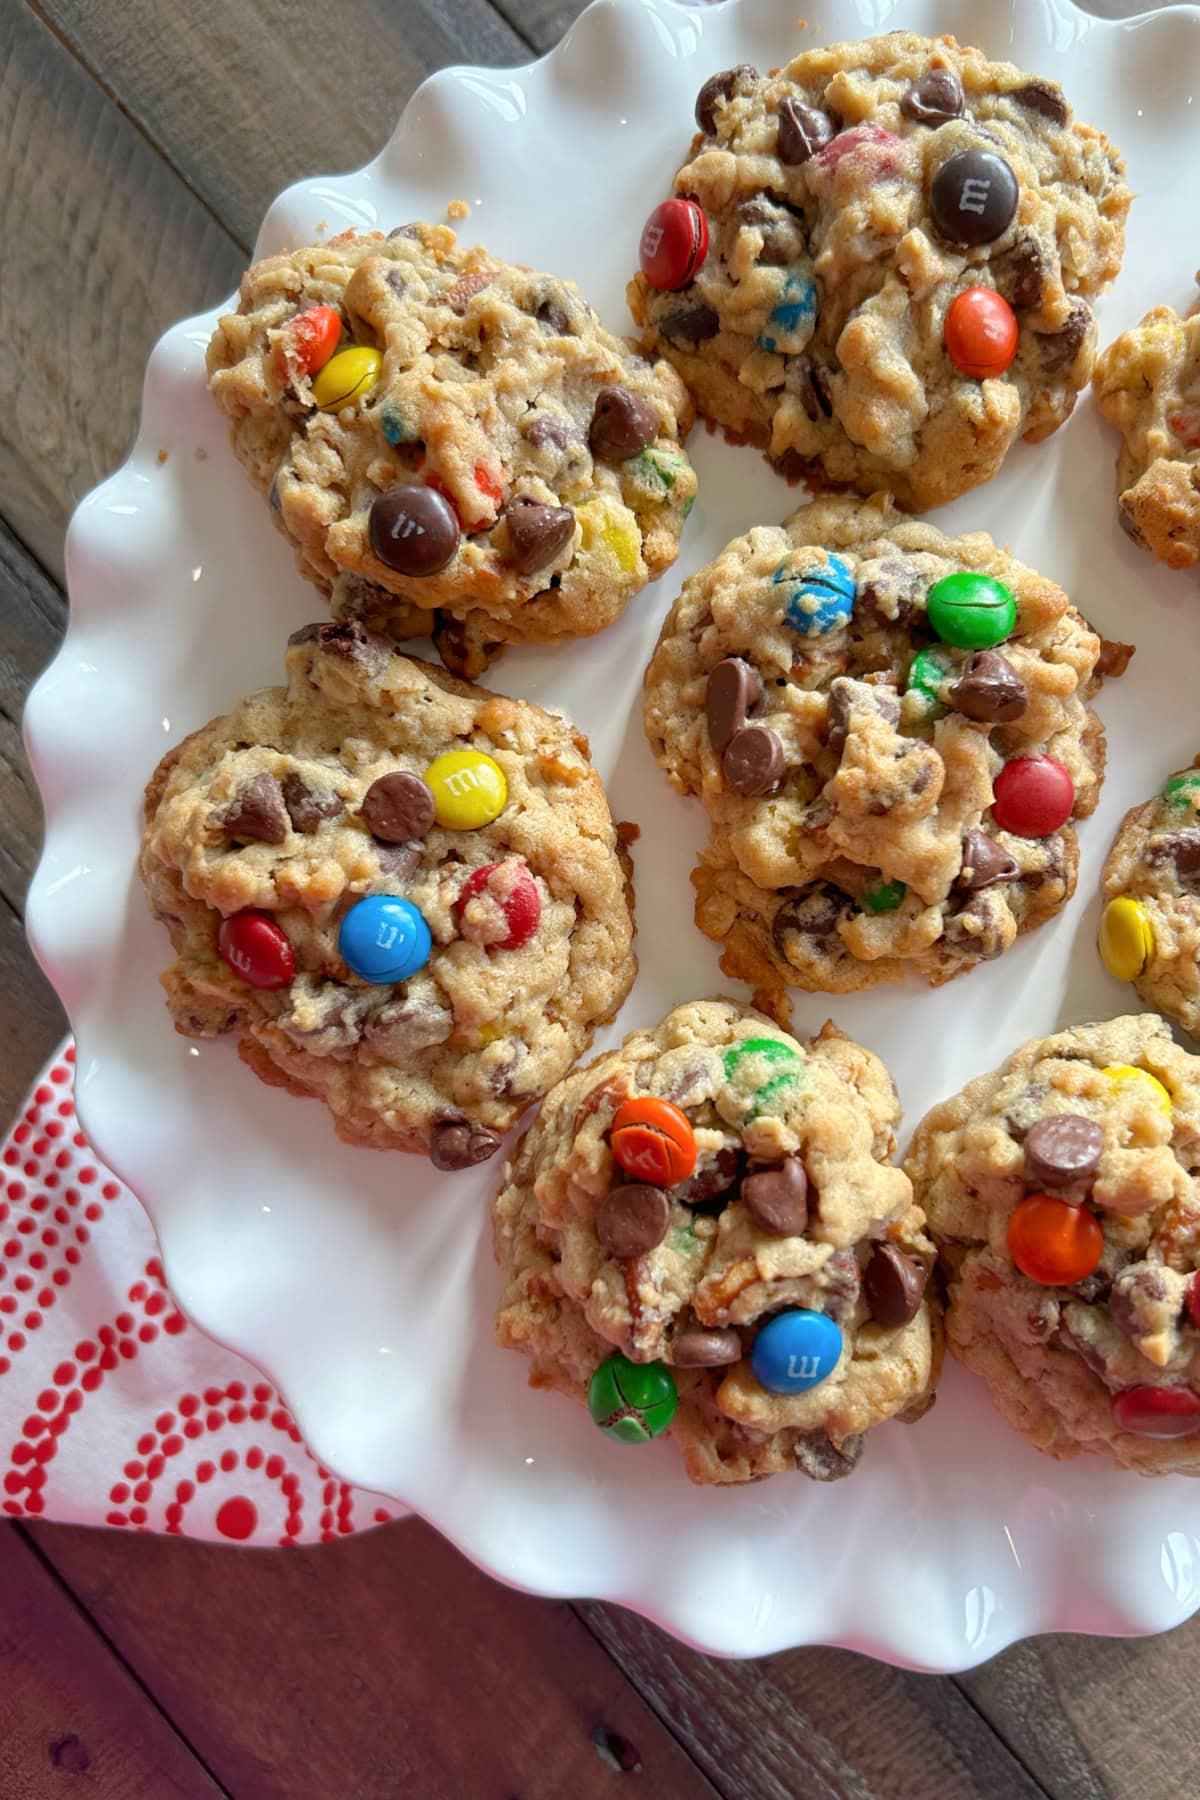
(1150,926)
(1063,1194)
(879,262)
(451,442)
(1148,386)
(401,893)
(890,731)
(703,1233)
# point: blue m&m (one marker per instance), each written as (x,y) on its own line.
(790,323)
(796,1350)
(384,939)
(820,601)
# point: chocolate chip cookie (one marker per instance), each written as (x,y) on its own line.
(703,1232)
(452,443)
(880,260)
(891,733)
(1063,1193)
(401,893)
(1150,926)
(1148,386)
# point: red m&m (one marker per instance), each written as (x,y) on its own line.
(1155,1412)
(1032,796)
(511,909)
(256,949)
(981,333)
(674,244)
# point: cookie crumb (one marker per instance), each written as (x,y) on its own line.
(162,455)
(200,453)
(458,209)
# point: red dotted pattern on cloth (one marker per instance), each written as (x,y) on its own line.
(51,1195)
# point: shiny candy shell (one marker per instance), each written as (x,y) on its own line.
(1052,1242)
(632,1402)
(818,602)
(384,940)
(1032,796)
(796,1350)
(1119,1073)
(469,789)
(1156,1412)
(347,378)
(674,244)
(981,333)
(256,948)
(312,337)
(1126,938)
(970,610)
(653,1140)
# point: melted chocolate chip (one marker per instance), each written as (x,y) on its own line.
(718,89)
(397,861)
(706,1349)
(733,692)
(777,1199)
(894,1285)
(632,1220)
(803,130)
(753,762)
(398,283)
(554,317)
(1044,98)
(1058,349)
(622,424)
(813,914)
(989,690)
(257,812)
(1022,275)
(308,808)
(399,807)
(1181,848)
(985,861)
(710,1182)
(536,533)
(936,97)
(816,395)
(690,325)
(544,428)
(1063,1149)
(403,231)
(845,693)
(349,640)
(457,1144)
(818,1457)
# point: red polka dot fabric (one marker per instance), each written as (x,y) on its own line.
(114,1410)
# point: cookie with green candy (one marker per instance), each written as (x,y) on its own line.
(755,1287)
(1149,933)
(891,731)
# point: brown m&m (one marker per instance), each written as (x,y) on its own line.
(973,197)
(413,529)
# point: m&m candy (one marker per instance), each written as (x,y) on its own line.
(796,1350)
(820,601)
(1183,790)
(1156,1412)
(1120,1073)
(469,789)
(653,1140)
(791,320)
(632,1402)
(311,338)
(507,909)
(971,610)
(383,939)
(674,244)
(930,674)
(1126,938)
(981,333)
(1032,796)
(1052,1242)
(883,896)
(257,949)
(772,1067)
(347,378)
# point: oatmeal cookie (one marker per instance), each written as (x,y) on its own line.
(1150,926)
(451,442)
(1062,1193)
(1148,386)
(880,262)
(703,1229)
(403,894)
(890,732)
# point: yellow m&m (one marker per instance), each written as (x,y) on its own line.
(469,789)
(613,531)
(347,377)
(1119,1073)
(1126,938)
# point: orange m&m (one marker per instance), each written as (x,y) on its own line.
(981,333)
(1052,1242)
(654,1141)
(313,336)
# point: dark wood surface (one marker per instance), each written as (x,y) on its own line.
(141,145)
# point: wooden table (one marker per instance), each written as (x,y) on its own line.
(142,145)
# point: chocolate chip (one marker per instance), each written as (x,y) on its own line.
(413,530)
(398,282)
(716,89)
(690,325)
(1044,98)
(706,1349)
(817,1456)
(777,1199)
(845,693)
(350,641)
(982,927)
(1128,522)
(1062,1149)
(816,396)
(757,211)
(274,501)
(1183,849)
(711,1181)
(457,1144)
(257,812)
(803,130)
(403,1028)
(985,861)
(1022,275)
(894,1285)
(308,808)
(397,861)
(399,807)
(632,1220)
(753,762)
(812,914)
(733,691)
(1058,349)
(973,197)
(536,533)
(936,97)
(989,690)
(622,424)
(544,429)
(403,231)
(554,317)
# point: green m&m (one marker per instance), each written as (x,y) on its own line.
(632,1402)
(971,610)
(1183,790)
(883,896)
(930,673)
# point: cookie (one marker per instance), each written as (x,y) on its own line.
(1063,1192)
(401,893)
(451,441)
(901,244)
(1150,926)
(703,1232)
(1148,385)
(891,733)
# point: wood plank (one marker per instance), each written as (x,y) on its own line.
(541,21)
(113,247)
(817,1723)
(70,1713)
(245,99)
(385,1664)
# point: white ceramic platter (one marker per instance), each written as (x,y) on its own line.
(363,1283)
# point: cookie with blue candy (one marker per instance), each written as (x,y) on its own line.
(891,732)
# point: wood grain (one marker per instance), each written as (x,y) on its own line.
(71,1717)
(384,1665)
